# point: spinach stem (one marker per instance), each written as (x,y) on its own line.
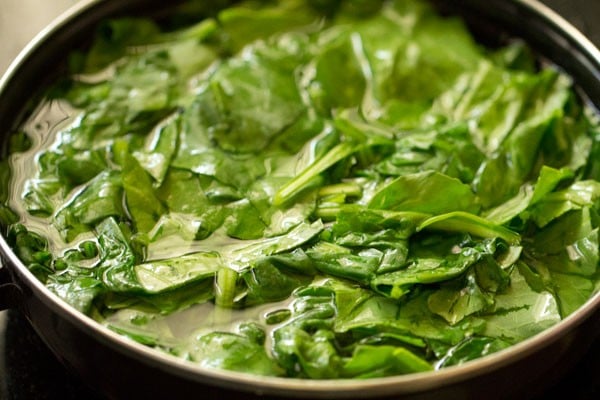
(294,186)
(225,287)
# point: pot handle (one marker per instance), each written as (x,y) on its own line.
(10,293)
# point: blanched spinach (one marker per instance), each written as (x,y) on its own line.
(312,189)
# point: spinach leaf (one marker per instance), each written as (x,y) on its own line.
(424,270)
(426,192)
(457,299)
(233,93)
(459,221)
(233,352)
(160,275)
(470,349)
(243,25)
(274,278)
(116,258)
(100,198)
(142,203)
(520,312)
(378,361)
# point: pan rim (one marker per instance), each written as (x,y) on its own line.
(338,388)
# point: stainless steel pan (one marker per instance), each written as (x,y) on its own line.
(119,368)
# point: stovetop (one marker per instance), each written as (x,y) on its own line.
(28,370)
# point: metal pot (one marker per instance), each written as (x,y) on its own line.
(119,368)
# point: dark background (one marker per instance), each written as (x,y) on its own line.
(29,371)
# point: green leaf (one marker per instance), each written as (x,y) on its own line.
(572,291)
(341,262)
(160,275)
(569,245)
(520,312)
(415,318)
(471,349)
(232,352)
(116,258)
(142,202)
(527,197)
(338,78)
(424,270)
(274,278)
(79,292)
(100,198)
(307,355)
(249,101)
(243,25)
(113,39)
(459,221)
(427,192)
(456,300)
(160,147)
(379,361)
(305,177)
(578,195)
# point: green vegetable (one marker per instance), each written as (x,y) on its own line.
(311,189)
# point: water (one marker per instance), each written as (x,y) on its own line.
(43,129)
